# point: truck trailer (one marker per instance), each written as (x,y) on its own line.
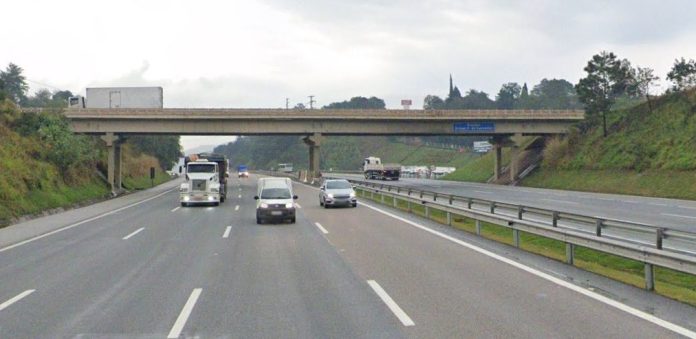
(119,97)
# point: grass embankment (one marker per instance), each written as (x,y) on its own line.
(29,184)
(670,283)
(647,152)
(480,167)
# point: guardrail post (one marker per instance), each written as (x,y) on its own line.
(516,237)
(435,196)
(421,194)
(451,198)
(649,277)
(570,253)
(598,230)
(449,218)
(469,201)
(555,219)
(492,207)
(409,192)
(660,235)
(396,204)
(478,227)
(427,212)
(398,189)
(409,206)
(382,199)
(520,210)
(372,195)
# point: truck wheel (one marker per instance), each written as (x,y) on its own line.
(217,203)
(259,221)
(222,199)
(355,204)
(292,221)
(183,204)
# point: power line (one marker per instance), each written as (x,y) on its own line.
(45,85)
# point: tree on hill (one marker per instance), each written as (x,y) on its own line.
(358,103)
(508,95)
(683,74)
(644,80)
(433,102)
(607,78)
(62,96)
(14,83)
(555,94)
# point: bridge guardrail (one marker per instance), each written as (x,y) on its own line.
(649,244)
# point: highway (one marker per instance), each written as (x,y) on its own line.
(143,267)
(670,213)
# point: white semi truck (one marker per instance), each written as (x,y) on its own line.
(206,180)
(375,169)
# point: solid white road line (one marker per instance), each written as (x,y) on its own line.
(83,222)
(321,228)
(393,306)
(484,192)
(561,201)
(134,233)
(185,313)
(228,229)
(15,299)
(678,215)
(236,208)
(687,207)
(176,209)
(611,302)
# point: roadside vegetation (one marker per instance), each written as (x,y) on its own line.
(45,166)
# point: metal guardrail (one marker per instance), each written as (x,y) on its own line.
(649,244)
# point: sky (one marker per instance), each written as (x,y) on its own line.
(242,53)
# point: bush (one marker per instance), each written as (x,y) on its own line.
(555,151)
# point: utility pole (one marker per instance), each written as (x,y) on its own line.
(311,102)
(287,103)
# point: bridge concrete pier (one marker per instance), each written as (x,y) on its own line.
(498,143)
(114,161)
(314,142)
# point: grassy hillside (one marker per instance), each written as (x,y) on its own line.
(337,153)
(647,152)
(48,167)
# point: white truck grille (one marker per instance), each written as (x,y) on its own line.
(198,185)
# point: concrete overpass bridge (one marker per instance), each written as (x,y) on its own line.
(115,124)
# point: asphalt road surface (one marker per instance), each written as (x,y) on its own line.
(670,213)
(155,270)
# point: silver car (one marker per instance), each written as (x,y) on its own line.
(338,192)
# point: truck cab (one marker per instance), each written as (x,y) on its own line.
(202,184)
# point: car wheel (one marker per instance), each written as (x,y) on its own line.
(355,204)
(326,205)
(259,221)
(183,204)
(321,203)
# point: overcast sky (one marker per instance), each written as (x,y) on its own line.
(255,54)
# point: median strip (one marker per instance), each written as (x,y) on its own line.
(393,306)
(15,299)
(134,233)
(175,332)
